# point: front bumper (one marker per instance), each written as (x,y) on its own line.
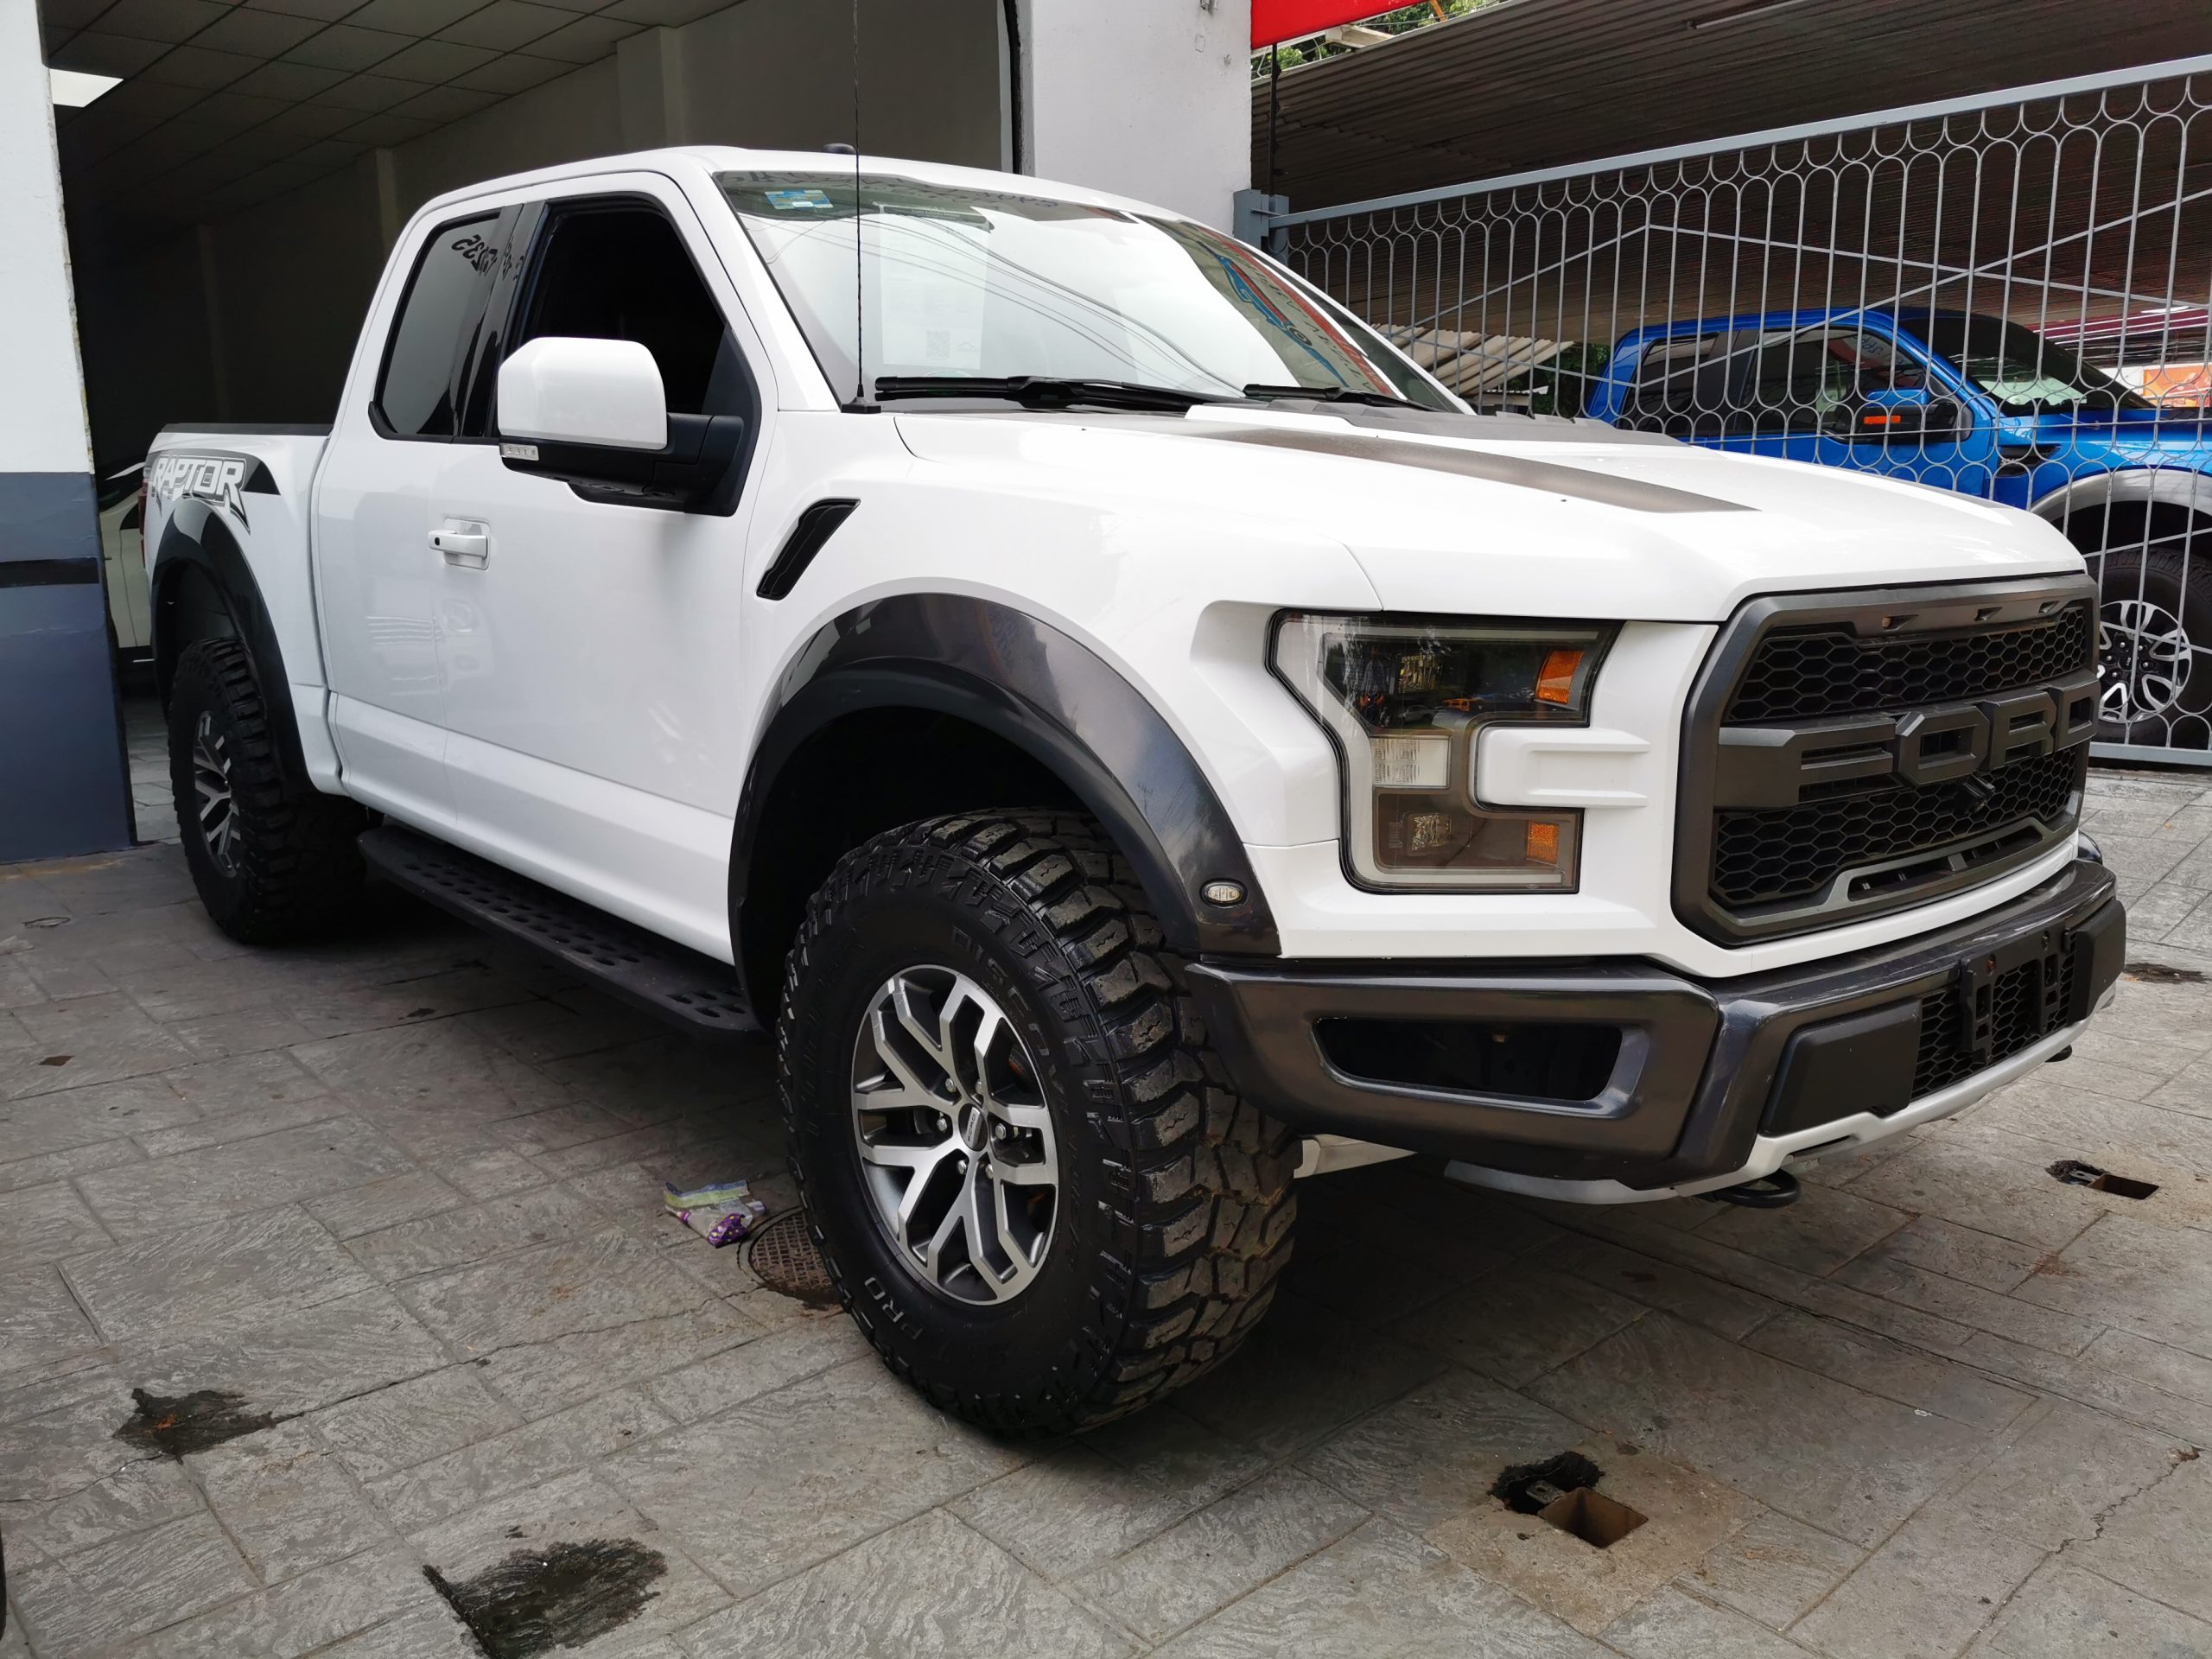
(1699,1084)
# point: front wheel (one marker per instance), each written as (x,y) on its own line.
(1028,1179)
(2154,649)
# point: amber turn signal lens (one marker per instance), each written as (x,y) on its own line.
(1543,843)
(1555,679)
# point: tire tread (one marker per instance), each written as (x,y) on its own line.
(1203,1214)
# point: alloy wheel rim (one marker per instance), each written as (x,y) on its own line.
(212,801)
(955,1140)
(2145,657)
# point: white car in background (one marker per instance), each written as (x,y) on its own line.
(123,556)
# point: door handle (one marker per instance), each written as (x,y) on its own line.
(469,546)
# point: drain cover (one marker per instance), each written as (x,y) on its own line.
(783,1257)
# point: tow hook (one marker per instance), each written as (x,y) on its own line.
(1775,1191)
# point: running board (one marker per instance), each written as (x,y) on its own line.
(693,991)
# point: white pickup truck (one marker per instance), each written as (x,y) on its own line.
(1133,736)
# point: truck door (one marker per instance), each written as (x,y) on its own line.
(597,736)
(1853,395)
(377,577)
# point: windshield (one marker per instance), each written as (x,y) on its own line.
(986,283)
(2025,373)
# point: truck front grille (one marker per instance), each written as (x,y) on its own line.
(1806,673)
(1774,857)
(1847,754)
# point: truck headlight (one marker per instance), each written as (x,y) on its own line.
(1406,700)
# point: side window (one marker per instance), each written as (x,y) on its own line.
(1681,385)
(622,272)
(440,312)
(1812,381)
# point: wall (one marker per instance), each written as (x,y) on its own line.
(62,781)
(149,350)
(290,280)
(1150,98)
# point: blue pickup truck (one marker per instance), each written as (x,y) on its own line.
(1987,407)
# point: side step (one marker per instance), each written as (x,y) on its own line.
(695,992)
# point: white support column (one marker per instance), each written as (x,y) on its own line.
(1149,98)
(63,783)
(649,67)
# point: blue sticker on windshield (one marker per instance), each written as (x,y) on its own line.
(786,201)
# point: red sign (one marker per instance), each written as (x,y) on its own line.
(1287,20)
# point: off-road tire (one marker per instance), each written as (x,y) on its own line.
(293,868)
(1175,1208)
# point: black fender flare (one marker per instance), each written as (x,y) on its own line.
(2145,486)
(1051,697)
(196,538)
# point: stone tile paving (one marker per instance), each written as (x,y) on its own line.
(392,1204)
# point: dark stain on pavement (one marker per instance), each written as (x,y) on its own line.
(562,1596)
(176,1424)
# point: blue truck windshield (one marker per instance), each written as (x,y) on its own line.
(2025,373)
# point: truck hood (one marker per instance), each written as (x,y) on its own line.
(1561,520)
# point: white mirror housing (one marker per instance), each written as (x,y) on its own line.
(603,392)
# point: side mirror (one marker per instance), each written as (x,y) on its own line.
(594,414)
(1899,419)
(603,392)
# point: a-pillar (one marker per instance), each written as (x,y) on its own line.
(1150,98)
(64,783)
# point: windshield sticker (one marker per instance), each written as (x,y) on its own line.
(788,201)
(224,479)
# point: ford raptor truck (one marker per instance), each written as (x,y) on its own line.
(1130,736)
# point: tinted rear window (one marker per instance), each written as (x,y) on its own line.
(444,296)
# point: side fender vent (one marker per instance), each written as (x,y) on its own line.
(808,537)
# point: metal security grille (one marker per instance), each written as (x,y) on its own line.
(2005,297)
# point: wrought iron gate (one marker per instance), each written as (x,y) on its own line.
(2006,298)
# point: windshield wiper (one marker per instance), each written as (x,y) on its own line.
(1331,395)
(1040,391)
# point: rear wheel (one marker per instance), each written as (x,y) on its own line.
(1033,1187)
(272,861)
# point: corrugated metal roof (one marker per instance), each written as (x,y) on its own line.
(1528,84)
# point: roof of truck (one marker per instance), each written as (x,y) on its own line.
(724,158)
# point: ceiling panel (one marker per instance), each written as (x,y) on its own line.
(434,62)
(368,93)
(256,34)
(507,24)
(160,20)
(442,103)
(106,54)
(512,74)
(226,102)
(343,45)
(415,18)
(288,82)
(195,66)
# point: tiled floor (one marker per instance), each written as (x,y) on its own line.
(399,1196)
(146,742)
